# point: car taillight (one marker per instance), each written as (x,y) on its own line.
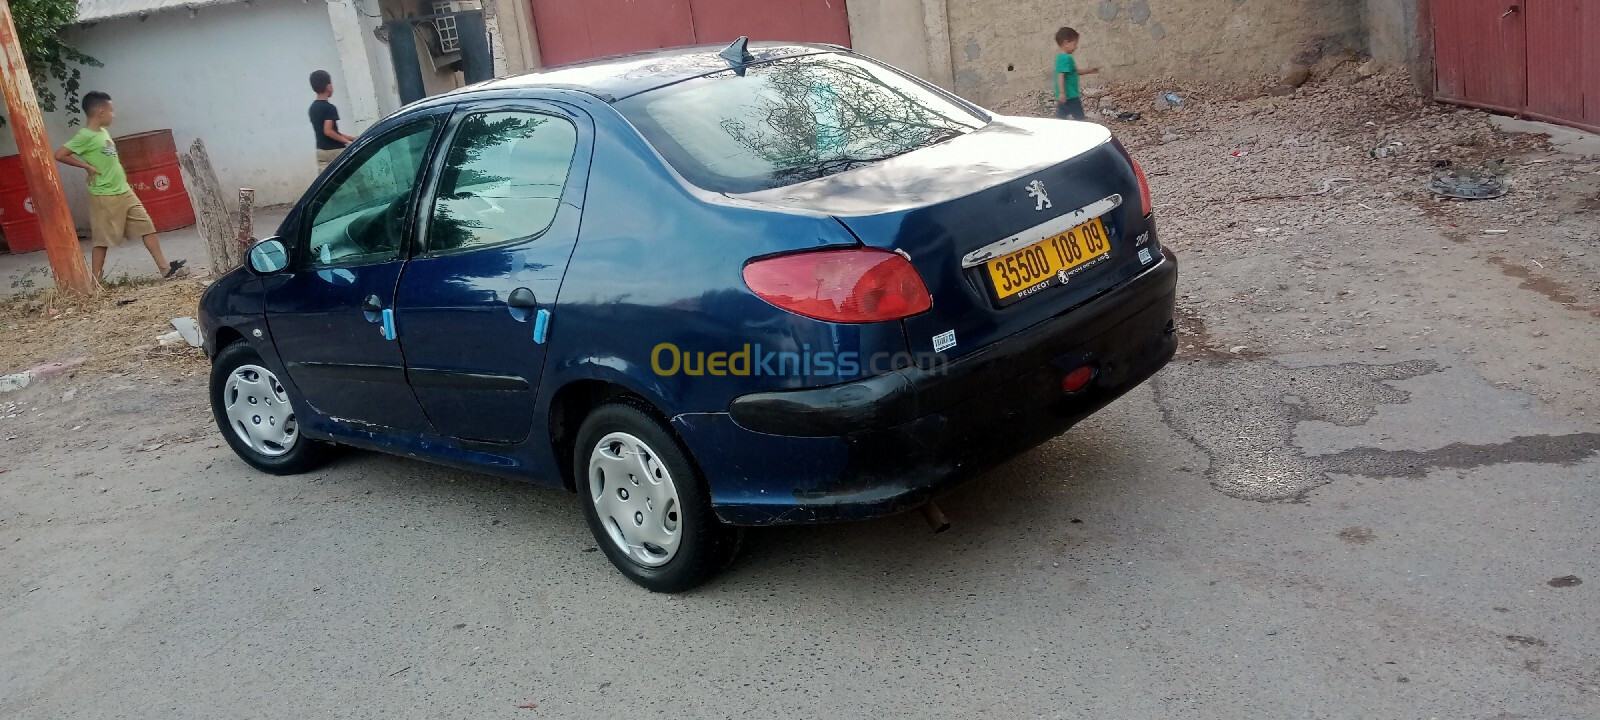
(843,286)
(1144,185)
(1138,173)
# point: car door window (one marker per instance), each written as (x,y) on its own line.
(358,217)
(502,180)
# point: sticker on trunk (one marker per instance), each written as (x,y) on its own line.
(944,341)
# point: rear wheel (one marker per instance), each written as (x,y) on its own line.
(257,417)
(646,503)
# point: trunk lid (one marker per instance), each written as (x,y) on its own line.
(956,207)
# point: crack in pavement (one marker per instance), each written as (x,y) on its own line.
(1544,449)
(1243,415)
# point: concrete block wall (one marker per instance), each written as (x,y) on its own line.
(1395,38)
(1001,49)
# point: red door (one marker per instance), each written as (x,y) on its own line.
(1528,57)
(1590,52)
(574,30)
(720,21)
(1482,55)
(1555,58)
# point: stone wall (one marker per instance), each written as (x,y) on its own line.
(1002,49)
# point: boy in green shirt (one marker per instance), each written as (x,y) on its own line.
(1069,101)
(115,212)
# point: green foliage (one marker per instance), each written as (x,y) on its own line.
(52,63)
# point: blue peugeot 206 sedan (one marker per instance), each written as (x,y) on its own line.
(704,288)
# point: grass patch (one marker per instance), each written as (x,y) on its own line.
(113,327)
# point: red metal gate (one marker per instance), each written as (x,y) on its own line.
(1529,57)
(574,30)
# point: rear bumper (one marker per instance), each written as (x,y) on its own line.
(892,442)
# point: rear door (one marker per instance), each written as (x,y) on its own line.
(497,233)
(332,319)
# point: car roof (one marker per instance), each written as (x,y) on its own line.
(620,76)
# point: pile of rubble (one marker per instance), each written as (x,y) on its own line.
(1349,145)
(1344,144)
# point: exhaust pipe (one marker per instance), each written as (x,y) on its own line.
(935,517)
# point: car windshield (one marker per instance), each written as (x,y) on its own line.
(792,120)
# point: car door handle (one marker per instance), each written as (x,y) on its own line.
(521,302)
(373,310)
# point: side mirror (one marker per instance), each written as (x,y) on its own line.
(267,257)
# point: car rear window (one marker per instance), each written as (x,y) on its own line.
(792,120)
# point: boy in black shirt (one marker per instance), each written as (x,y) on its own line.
(325,121)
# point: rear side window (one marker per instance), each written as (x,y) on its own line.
(792,120)
(502,180)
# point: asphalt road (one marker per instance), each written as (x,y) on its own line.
(1289,522)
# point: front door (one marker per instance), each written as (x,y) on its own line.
(333,319)
(497,236)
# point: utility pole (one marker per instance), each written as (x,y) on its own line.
(39,163)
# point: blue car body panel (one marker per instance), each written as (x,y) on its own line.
(641,271)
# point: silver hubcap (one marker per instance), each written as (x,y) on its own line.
(634,496)
(258,410)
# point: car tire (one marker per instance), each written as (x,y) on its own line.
(256,415)
(646,502)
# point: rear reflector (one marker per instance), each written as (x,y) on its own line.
(1077,379)
(858,285)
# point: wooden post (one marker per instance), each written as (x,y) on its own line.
(39,163)
(210,210)
(247,224)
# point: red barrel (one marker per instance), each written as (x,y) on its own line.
(151,160)
(17,219)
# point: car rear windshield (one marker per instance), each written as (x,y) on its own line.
(792,120)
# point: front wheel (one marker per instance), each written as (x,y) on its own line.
(646,503)
(257,417)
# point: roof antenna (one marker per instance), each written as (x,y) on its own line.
(737,53)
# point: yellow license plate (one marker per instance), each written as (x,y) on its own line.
(1048,261)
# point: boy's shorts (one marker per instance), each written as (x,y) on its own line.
(113,218)
(324,157)
(1071,110)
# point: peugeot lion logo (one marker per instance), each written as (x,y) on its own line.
(1040,199)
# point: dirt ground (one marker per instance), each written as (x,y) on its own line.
(1365,488)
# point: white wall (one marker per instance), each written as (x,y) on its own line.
(235,76)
